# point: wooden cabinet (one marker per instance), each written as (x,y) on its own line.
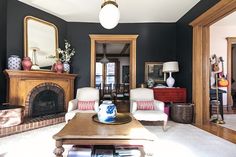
(170,94)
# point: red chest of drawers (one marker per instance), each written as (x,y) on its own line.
(170,94)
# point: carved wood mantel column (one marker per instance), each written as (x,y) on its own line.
(20,83)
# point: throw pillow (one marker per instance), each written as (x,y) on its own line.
(145,105)
(86,105)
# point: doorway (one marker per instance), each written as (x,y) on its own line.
(201,55)
(231,68)
(110,76)
(233,78)
(112,62)
(131,39)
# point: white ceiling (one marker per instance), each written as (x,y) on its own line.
(132,11)
(111,48)
(229,20)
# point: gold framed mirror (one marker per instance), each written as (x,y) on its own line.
(40,42)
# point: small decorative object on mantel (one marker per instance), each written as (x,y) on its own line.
(58,67)
(14,62)
(27,63)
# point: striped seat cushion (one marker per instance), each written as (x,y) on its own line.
(145,105)
(86,105)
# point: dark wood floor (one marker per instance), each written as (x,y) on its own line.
(220,131)
(230,110)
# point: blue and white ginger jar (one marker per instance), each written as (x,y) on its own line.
(14,62)
(66,66)
(107,112)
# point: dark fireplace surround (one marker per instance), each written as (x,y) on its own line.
(44,99)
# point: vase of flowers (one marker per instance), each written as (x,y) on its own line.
(66,55)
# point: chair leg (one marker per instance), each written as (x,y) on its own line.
(164,125)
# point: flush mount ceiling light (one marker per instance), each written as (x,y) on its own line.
(109,14)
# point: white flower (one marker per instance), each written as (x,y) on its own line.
(65,55)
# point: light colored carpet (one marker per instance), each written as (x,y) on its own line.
(230,121)
(181,140)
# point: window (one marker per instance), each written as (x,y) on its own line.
(106,73)
(99,73)
(110,73)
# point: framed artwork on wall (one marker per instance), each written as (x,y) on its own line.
(154,71)
(125,74)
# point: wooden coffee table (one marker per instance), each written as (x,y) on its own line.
(82,130)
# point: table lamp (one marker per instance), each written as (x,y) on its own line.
(170,67)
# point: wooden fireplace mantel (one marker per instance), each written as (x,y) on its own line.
(20,83)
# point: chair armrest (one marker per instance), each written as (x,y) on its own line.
(133,107)
(72,105)
(159,105)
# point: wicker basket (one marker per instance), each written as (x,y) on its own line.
(182,112)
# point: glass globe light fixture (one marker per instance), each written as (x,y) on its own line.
(109,14)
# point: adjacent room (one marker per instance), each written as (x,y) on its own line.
(117,78)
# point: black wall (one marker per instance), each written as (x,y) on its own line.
(3,11)
(184,44)
(16,11)
(156,42)
(12,13)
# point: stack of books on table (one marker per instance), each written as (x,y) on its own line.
(129,151)
(106,151)
(80,151)
(103,151)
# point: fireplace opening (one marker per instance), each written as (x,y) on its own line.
(45,103)
(46,99)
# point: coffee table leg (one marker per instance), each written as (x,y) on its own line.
(58,151)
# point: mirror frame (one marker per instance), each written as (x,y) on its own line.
(26,19)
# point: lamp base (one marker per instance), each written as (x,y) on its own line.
(170,81)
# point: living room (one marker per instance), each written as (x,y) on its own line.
(157,41)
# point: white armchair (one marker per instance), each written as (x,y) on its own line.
(144,94)
(83,94)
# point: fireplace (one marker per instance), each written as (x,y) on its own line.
(38,93)
(45,99)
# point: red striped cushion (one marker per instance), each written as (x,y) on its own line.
(145,105)
(86,105)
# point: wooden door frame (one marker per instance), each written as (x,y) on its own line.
(201,53)
(230,42)
(114,38)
